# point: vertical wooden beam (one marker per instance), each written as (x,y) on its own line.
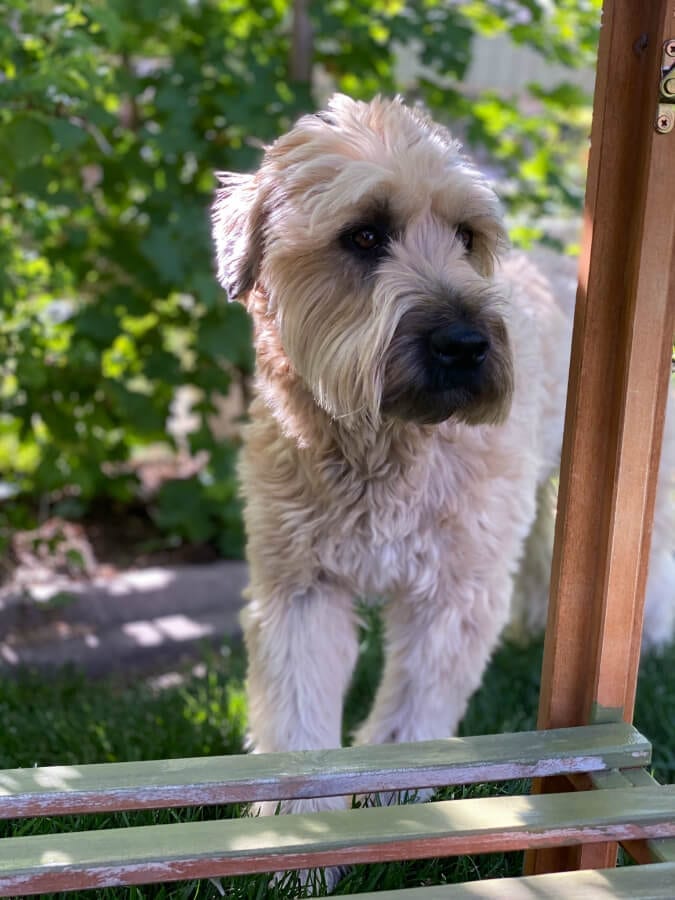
(302,44)
(619,373)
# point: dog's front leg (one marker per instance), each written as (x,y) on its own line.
(437,649)
(302,648)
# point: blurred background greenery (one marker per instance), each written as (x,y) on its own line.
(113,115)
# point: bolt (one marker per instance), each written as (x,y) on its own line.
(669,86)
(670,48)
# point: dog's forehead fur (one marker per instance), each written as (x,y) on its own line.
(357,155)
(355,163)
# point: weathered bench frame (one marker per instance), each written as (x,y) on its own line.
(620,809)
(593,789)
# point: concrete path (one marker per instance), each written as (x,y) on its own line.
(138,619)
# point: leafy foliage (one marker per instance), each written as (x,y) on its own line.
(113,116)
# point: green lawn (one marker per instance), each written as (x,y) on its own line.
(69,719)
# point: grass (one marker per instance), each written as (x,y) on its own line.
(69,719)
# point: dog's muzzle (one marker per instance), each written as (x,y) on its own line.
(439,366)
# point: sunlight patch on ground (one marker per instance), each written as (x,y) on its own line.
(152,632)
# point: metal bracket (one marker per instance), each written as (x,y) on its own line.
(665,115)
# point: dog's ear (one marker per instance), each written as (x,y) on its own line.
(237,218)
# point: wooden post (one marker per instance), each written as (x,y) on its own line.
(619,374)
(301,52)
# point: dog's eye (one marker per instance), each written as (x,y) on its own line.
(368,242)
(465,235)
(367,238)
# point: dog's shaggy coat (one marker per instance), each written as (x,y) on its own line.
(409,401)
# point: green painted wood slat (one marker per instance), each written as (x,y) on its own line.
(56,790)
(237,846)
(653,882)
(658,850)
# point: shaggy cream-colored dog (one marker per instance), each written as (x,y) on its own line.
(409,401)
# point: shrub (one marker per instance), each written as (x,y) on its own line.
(112,117)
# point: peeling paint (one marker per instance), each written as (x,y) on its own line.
(236,779)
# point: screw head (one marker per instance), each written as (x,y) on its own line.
(670,48)
(665,121)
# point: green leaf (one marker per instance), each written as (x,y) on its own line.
(68,135)
(162,248)
(226,338)
(138,410)
(181,509)
(26,138)
(100,325)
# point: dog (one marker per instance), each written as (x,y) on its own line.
(408,412)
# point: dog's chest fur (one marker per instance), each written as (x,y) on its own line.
(412,505)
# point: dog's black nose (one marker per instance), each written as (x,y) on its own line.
(459,346)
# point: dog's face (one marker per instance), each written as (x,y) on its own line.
(368,243)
